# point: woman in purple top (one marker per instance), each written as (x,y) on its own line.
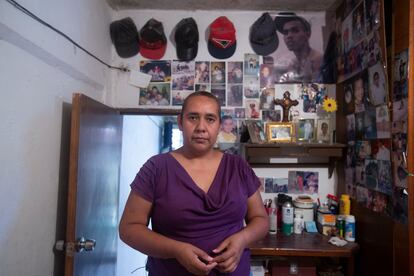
(197,199)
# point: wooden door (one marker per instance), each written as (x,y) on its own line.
(95,156)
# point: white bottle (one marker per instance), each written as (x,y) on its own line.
(273,221)
(350,228)
(298,223)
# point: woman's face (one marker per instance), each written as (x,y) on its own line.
(200,124)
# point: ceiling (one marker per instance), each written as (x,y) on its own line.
(260,5)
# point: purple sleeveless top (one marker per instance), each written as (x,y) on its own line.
(184,212)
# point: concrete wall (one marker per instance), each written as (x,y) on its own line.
(39,72)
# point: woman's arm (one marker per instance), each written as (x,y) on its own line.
(134,231)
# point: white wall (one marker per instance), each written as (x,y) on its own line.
(140,141)
(39,71)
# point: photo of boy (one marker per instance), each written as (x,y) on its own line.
(227,129)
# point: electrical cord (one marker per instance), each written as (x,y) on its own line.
(29,13)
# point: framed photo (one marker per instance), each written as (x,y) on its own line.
(323,131)
(306,129)
(280,132)
(256,131)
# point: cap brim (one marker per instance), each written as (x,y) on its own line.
(153,53)
(187,54)
(267,49)
(221,53)
(127,51)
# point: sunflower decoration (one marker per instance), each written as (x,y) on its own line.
(329,104)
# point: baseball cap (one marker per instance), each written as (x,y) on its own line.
(153,41)
(124,36)
(222,38)
(186,39)
(263,35)
(284,17)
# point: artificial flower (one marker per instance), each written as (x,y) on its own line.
(329,105)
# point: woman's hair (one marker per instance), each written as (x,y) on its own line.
(201,93)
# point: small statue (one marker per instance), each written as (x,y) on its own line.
(286,104)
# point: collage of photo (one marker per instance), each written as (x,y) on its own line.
(298,182)
(376,119)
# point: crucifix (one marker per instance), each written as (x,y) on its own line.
(286,104)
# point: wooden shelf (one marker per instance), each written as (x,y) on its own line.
(293,155)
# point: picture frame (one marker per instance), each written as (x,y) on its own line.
(280,132)
(323,131)
(306,130)
(256,131)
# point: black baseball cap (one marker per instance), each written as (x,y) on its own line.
(283,17)
(263,35)
(153,42)
(186,39)
(124,36)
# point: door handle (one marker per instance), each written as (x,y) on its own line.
(81,244)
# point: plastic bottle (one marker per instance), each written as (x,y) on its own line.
(298,223)
(350,228)
(287,218)
(345,205)
(273,221)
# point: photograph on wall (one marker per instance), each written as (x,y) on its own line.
(349,104)
(268,185)
(362,149)
(370,123)
(228,130)
(379,202)
(312,96)
(239,113)
(227,112)
(383,122)
(350,127)
(400,85)
(359,125)
(358,23)
(360,179)
(295,182)
(371,174)
(399,170)
(252,109)
(377,85)
(347,41)
(362,196)
(310,182)
(350,178)
(384,177)
(266,76)
(381,149)
(234,94)
(267,97)
(374,48)
(360,89)
(350,154)
(183,75)
(299,55)
(251,65)
(156,94)
(271,115)
(178,97)
(202,87)
(219,90)
(235,72)
(160,70)
(400,110)
(276,185)
(202,72)
(218,72)
(251,87)
(372,15)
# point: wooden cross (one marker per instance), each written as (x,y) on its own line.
(286,104)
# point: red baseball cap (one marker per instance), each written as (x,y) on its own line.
(222,38)
(153,41)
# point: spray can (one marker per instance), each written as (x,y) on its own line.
(287,218)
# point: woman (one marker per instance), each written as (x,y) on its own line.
(197,199)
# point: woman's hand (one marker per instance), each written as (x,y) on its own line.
(230,251)
(194,259)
